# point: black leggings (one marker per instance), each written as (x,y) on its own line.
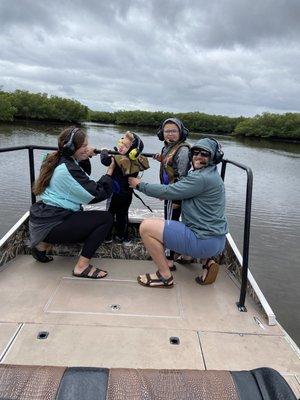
(90,227)
(118,207)
(174,215)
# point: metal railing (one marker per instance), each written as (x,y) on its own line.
(248,204)
(247,221)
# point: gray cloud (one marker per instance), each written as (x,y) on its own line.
(229,57)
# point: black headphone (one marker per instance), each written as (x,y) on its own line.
(218,156)
(182,129)
(136,148)
(68,148)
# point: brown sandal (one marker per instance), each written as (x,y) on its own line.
(212,272)
(160,282)
(95,274)
(182,260)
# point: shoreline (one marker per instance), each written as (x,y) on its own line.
(195,134)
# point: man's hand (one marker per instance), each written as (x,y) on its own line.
(133,182)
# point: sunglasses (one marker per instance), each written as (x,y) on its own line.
(202,153)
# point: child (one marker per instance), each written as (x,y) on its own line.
(128,162)
(174,164)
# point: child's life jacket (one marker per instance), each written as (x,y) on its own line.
(167,172)
(131,167)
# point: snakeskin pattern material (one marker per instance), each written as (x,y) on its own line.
(29,382)
(137,384)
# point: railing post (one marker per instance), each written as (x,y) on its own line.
(32,174)
(223,169)
(241,303)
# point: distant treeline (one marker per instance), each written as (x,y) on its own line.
(38,106)
(267,125)
(195,121)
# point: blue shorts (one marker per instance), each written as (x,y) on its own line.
(182,240)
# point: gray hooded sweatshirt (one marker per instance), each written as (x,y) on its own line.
(202,193)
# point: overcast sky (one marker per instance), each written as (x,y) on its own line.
(229,57)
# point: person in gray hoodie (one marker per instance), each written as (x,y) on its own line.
(201,234)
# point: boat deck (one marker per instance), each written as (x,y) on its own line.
(115,322)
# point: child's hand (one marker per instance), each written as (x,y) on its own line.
(157,157)
(111,168)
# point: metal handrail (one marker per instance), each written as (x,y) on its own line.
(246,240)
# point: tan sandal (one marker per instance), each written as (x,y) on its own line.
(212,272)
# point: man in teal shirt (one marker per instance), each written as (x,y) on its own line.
(202,232)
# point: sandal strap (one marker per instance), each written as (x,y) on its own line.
(205,266)
(95,274)
(86,271)
(165,281)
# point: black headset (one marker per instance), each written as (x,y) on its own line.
(68,148)
(218,156)
(182,129)
(136,148)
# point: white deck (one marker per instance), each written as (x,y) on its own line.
(86,330)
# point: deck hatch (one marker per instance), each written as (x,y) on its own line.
(114,297)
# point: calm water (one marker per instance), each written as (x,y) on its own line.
(275,244)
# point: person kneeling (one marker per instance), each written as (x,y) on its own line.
(202,232)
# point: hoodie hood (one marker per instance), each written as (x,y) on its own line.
(182,129)
(175,121)
(209,145)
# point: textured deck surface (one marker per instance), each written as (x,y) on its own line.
(115,322)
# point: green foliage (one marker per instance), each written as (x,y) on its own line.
(7,111)
(267,125)
(23,104)
(270,125)
(102,116)
(195,121)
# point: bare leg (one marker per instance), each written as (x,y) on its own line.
(151,231)
(84,262)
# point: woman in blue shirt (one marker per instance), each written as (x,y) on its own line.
(63,186)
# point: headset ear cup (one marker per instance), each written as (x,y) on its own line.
(185,133)
(133,154)
(218,153)
(160,134)
(218,156)
(68,148)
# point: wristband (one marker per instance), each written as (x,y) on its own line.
(137,186)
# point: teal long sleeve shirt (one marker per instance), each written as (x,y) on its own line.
(203,200)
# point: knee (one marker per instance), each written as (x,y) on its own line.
(146,226)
